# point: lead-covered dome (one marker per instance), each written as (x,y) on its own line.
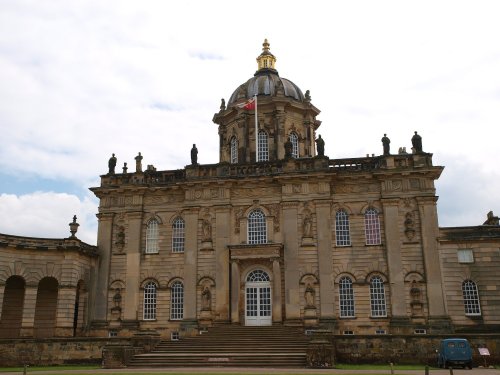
(266,81)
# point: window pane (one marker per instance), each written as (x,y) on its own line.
(234,150)
(178,236)
(342,231)
(471,298)
(152,237)
(295,144)
(257,232)
(177,301)
(263,146)
(465,256)
(346,296)
(372,227)
(150,301)
(377,297)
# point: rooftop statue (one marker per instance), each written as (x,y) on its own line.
(138,163)
(320,146)
(112,164)
(416,141)
(386,142)
(194,155)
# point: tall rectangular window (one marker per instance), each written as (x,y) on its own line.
(257,231)
(178,235)
(377,297)
(152,236)
(177,301)
(149,312)
(372,227)
(342,230)
(346,297)
(471,298)
(263,148)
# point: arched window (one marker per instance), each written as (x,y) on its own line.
(372,227)
(177,301)
(263,148)
(295,144)
(234,150)
(258,276)
(152,236)
(257,232)
(471,298)
(377,297)
(342,230)
(346,297)
(149,312)
(178,235)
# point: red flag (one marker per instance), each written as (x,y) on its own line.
(249,104)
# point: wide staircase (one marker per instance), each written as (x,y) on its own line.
(231,346)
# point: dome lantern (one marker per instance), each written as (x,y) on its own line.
(266,59)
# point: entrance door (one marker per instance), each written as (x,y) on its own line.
(258,299)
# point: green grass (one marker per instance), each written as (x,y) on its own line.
(51,368)
(343,366)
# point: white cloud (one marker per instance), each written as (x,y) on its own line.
(84,79)
(47,215)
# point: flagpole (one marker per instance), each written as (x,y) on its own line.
(256,132)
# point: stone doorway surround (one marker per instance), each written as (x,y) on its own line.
(246,258)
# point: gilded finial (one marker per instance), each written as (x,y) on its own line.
(266,59)
(265,46)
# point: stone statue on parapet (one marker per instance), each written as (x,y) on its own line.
(194,155)
(416,142)
(320,146)
(386,142)
(222,105)
(138,163)
(308,95)
(112,164)
(491,219)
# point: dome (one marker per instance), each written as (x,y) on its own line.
(266,81)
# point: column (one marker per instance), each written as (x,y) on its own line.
(29,305)
(66,299)
(277,291)
(235,291)
(430,231)
(222,236)
(104,239)
(131,301)
(394,260)
(190,264)
(291,252)
(325,261)
(2,291)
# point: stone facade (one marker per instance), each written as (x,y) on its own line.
(274,234)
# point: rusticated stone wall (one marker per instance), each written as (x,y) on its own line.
(402,349)
(18,352)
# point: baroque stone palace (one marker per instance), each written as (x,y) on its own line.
(276,233)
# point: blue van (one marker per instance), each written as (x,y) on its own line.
(454,352)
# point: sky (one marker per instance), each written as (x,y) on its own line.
(80,80)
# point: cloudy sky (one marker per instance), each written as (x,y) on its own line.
(80,80)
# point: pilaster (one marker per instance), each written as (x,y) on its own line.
(277,291)
(394,259)
(325,261)
(104,239)
(430,231)
(190,263)
(235,291)
(222,235)
(66,299)
(292,275)
(28,322)
(133,261)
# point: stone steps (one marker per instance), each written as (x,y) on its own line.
(235,346)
